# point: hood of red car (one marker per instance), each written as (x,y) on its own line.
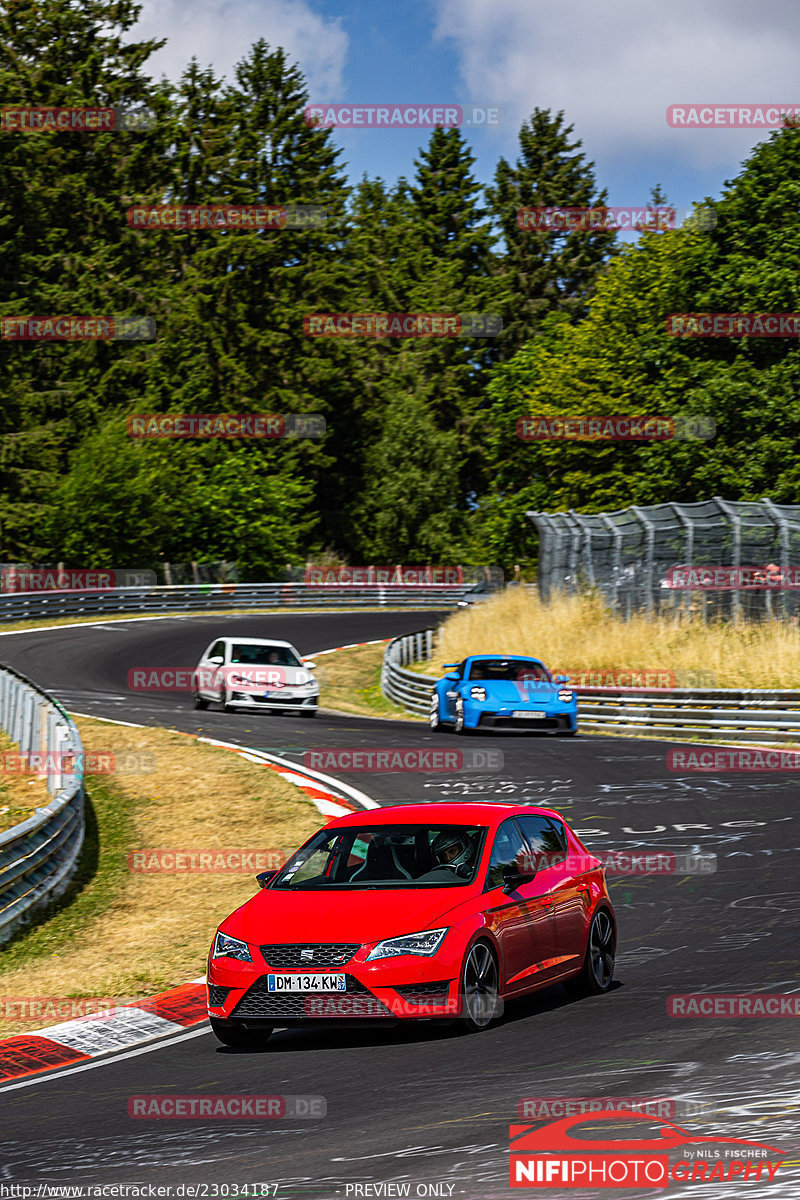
(347,916)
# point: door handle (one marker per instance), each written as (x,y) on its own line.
(546,902)
(583,887)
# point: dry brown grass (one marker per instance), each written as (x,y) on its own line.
(579,632)
(350,681)
(19,794)
(156,932)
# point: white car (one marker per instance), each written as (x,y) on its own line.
(245,672)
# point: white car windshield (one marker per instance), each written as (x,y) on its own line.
(264,656)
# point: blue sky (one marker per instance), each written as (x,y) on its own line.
(612,67)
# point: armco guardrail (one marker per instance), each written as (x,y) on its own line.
(39,856)
(20,606)
(408,688)
(713,714)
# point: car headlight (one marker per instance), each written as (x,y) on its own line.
(427,942)
(478,693)
(309,685)
(565,695)
(229,947)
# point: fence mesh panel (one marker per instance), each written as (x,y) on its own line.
(627,556)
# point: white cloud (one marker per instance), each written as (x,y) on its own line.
(615,67)
(219,34)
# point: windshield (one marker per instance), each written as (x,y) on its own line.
(263,656)
(508,668)
(394,856)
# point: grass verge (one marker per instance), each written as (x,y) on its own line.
(124,935)
(351,683)
(20,794)
(579,633)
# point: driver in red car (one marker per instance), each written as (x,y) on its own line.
(453,849)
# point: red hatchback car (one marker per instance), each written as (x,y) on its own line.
(417,911)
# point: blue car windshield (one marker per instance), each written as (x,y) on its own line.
(487,669)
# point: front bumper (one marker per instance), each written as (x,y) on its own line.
(408,987)
(553,721)
(291,702)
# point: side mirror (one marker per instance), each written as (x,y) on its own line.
(215,661)
(308,664)
(562,678)
(513,877)
(453,678)
(263,879)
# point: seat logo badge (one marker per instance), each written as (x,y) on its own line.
(306,954)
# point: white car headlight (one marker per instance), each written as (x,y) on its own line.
(478,693)
(565,696)
(427,942)
(229,947)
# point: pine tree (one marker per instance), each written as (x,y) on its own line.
(546,269)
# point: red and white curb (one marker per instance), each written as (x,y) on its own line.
(179,1008)
(99,1033)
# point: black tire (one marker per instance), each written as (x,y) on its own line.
(233,1033)
(597,972)
(434,722)
(225,706)
(199,702)
(480,989)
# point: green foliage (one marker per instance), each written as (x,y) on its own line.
(421,460)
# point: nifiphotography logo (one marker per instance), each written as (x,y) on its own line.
(553,1156)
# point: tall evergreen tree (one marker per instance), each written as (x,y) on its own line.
(546,269)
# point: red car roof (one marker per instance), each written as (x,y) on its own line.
(476,812)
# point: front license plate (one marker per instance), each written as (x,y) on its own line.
(534,716)
(306,983)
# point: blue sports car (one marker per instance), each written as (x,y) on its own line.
(493,691)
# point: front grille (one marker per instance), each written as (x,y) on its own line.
(260,1004)
(281,699)
(324,955)
(425,993)
(509,722)
(217,995)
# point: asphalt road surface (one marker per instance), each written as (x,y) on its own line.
(420,1105)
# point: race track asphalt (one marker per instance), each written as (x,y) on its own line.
(420,1105)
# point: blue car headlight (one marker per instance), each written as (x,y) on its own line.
(477,693)
(230,947)
(565,695)
(427,943)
